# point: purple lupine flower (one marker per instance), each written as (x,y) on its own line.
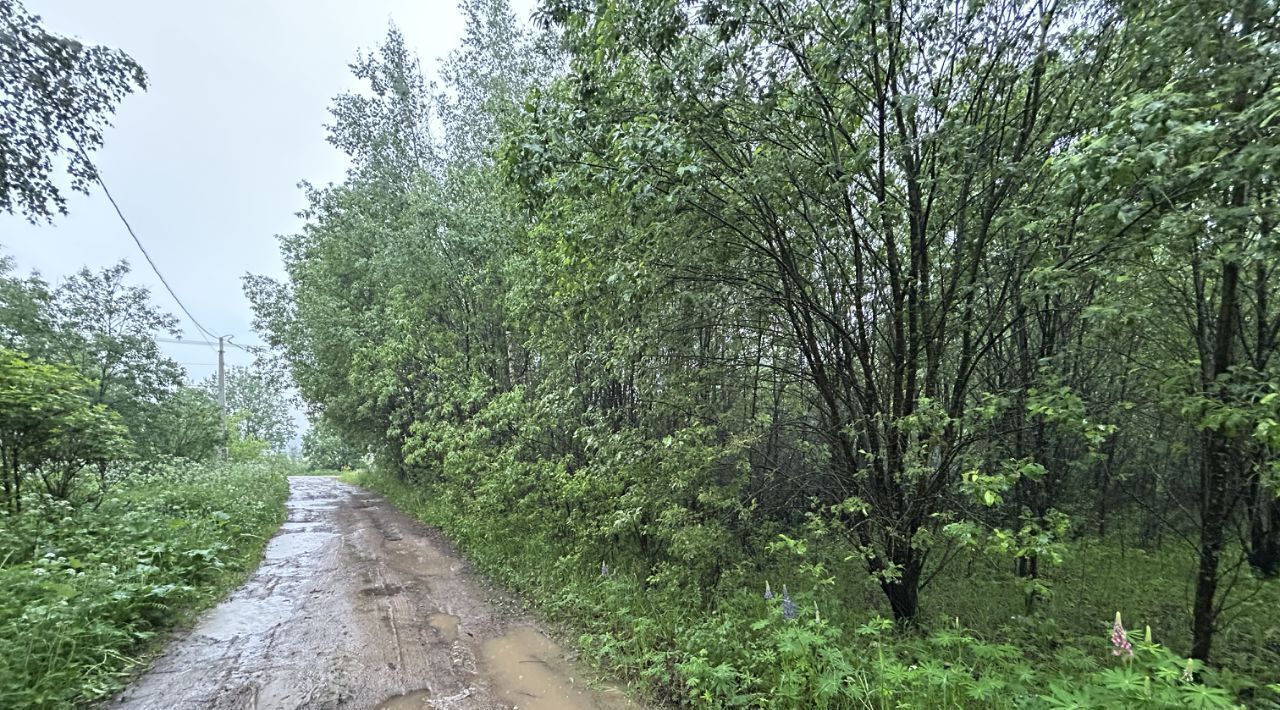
(1120,645)
(604,570)
(788,606)
(768,593)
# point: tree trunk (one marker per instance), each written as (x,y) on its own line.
(1217,466)
(1264,530)
(903,593)
(1027,567)
(1213,524)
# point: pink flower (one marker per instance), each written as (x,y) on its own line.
(1120,645)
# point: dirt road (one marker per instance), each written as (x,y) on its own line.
(358,606)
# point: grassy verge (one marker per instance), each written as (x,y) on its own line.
(86,592)
(828,647)
(344,474)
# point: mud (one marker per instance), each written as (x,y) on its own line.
(527,671)
(356,605)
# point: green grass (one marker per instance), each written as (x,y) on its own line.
(86,593)
(691,645)
(324,472)
(1151,588)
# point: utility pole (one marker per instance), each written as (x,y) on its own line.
(222,392)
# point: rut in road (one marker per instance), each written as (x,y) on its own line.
(359,606)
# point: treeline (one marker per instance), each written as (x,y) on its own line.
(127,502)
(119,515)
(660,282)
(84,385)
(83,380)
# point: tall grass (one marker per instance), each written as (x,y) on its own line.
(87,591)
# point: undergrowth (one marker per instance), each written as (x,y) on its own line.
(86,592)
(819,640)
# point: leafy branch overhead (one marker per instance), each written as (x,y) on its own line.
(56,97)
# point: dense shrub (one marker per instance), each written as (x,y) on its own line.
(84,590)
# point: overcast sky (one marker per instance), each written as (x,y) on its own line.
(205,164)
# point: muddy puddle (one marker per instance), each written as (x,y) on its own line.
(530,671)
(246,617)
(417,700)
(446,624)
(294,544)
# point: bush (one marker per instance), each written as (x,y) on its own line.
(84,591)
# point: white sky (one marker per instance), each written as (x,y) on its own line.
(205,164)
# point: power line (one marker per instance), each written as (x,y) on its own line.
(222,340)
(98,177)
(252,349)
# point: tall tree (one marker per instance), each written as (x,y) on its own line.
(394,295)
(385,132)
(911,274)
(1193,149)
(185,424)
(49,428)
(111,329)
(323,448)
(26,312)
(259,401)
(869,175)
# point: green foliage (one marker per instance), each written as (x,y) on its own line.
(84,387)
(258,404)
(87,592)
(26,312)
(107,330)
(58,94)
(728,646)
(324,449)
(242,446)
(50,429)
(185,424)
(848,295)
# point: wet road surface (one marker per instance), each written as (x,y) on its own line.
(358,606)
